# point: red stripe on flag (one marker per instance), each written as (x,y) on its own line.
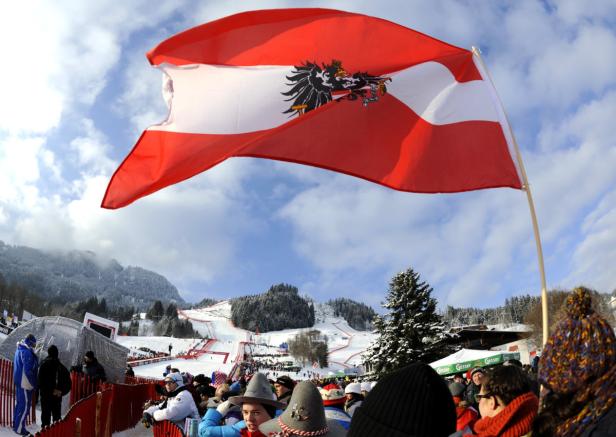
(386,143)
(292,36)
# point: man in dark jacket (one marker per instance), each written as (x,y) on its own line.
(54,382)
(93,368)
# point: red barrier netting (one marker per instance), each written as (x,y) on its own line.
(133,380)
(7,396)
(127,404)
(166,429)
(86,411)
(82,387)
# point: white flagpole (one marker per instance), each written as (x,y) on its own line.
(531,205)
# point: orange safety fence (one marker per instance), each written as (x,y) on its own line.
(7,396)
(166,429)
(127,404)
(88,417)
(82,386)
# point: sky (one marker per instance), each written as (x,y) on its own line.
(77,91)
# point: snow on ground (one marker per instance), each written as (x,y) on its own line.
(346,345)
(159,344)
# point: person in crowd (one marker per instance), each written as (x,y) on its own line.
(167,370)
(413,401)
(506,404)
(201,379)
(465,416)
(577,368)
(205,393)
(258,405)
(93,369)
(129,371)
(474,387)
(170,348)
(177,406)
(365,388)
(333,401)
(305,416)
(54,383)
(284,388)
(25,369)
(459,378)
(353,396)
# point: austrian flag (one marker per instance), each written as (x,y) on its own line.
(332,89)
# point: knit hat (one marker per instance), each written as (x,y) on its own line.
(354,387)
(304,416)
(52,351)
(175,377)
(366,386)
(285,381)
(413,401)
(581,348)
(478,369)
(90,354)
(258,391)
(30,340)
(456,389)
(332,394)
(201,379)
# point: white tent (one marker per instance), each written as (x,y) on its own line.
(466,359)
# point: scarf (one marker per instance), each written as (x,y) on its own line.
(514,421)
(597,398)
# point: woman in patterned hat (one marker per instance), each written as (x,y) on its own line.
(578,370)
(304,417)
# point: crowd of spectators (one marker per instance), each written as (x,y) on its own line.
(576,372)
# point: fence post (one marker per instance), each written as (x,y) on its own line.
(78,427)
(107,432)
(97,417)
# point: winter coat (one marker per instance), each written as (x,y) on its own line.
(210,426)
(52,375)
(25,367)
(178,406)
(605,426)
(95,371)
(469,394)
(339,415)
(285,398)
(351,406)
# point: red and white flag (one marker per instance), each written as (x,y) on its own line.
(332,89)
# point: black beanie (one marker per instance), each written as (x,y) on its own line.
(413,401)
(52,351)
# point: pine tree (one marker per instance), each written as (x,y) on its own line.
(412,329)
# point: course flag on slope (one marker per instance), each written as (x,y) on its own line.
(332,89)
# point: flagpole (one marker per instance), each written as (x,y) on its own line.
(531,204)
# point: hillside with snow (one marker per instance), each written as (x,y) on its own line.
(224,345)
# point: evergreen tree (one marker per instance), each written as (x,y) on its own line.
(412,329)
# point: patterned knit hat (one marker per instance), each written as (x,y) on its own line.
(413,401)
(332,394)
(581,348)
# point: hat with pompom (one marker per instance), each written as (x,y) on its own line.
(581,348)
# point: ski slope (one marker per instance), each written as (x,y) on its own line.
(346,345)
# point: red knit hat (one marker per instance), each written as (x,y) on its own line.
(332,394)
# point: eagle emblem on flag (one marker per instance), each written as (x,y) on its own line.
(313,86)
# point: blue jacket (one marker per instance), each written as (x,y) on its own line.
(210,426)
(25,367)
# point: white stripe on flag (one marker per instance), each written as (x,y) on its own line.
(212,99)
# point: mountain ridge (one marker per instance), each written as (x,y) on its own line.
(73,275)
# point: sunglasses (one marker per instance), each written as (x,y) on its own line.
(489,395)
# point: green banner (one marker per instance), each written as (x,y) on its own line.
(497,358)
